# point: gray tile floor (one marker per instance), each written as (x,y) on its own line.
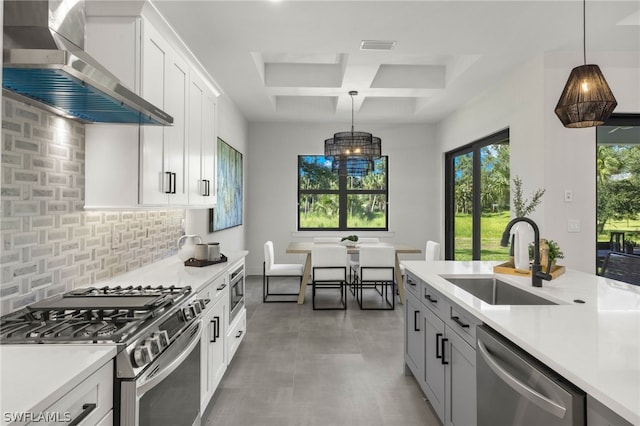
(297,366)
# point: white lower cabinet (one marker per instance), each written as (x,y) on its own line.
(236,333)
(434,361)
(90,401)
(414,336)
(213,343)
(460,381)
(440,357)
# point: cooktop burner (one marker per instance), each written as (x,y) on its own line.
(105,314)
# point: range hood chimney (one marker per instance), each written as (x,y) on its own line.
(45,65)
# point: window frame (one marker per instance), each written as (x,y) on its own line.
(449,216)
(343,192)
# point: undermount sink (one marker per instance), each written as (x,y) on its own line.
(495,292)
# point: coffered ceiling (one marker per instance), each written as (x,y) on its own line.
(296,60)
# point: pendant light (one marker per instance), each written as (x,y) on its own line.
(586,100)
(353,144)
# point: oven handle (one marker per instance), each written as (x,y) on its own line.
(147,385)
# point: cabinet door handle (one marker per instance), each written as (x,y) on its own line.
(214,321)
(86,410)
(415,321)
(438,336)
(239,334)
(217,326)
(460,323)
(168,187)
(430,299)
(443,344)
(175,179)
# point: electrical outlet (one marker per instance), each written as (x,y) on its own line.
(573,225)
(568,196)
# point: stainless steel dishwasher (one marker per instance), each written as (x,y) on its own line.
(516,389)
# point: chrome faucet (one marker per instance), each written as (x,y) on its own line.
(536,269)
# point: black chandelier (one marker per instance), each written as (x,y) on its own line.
(586,100)
(353,152)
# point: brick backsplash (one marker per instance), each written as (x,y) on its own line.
(49,244)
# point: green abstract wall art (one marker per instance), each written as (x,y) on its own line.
(228,210)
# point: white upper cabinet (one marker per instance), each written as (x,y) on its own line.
(202,143)
(130,166)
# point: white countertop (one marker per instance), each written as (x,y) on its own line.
(33,377)
(595,345)
(171,271)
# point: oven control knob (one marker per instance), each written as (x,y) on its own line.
(162,337)
(153,346)
(141,356)
(196,307)
(187,313)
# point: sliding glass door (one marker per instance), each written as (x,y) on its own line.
(477,199)
(618,186)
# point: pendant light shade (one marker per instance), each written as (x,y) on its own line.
(587,100)
(353,144)
(352,166)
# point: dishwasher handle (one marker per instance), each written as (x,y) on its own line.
(532,395)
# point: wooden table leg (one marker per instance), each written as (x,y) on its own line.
(399,280)
(305,279)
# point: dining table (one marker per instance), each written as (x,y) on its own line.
(304,247)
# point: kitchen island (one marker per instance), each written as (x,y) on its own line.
(591,337)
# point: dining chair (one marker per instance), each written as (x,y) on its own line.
(431,252)
(329,271)
(282,270)
(354,257)
(622,267)
(376,271)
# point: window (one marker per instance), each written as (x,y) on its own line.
(329,201)
(618,186)
(477,199)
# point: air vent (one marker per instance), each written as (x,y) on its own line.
(377,44)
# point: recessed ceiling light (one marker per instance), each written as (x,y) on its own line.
(377,44)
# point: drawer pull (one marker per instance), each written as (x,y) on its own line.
(410,282)
(239,334)
(460,323)
(430,299)
(221,287)
(86,410)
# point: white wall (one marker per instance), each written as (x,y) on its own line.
(414,170)
(232,128)
(544,153)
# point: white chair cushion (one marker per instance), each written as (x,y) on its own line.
(285,269)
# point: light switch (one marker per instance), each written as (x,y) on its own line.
(568,196)
(573,225)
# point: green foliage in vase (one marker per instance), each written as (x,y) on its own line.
(522,206)
(353,238)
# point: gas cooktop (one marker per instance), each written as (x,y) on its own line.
(105,314)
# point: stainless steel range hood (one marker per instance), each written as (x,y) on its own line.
(45,65)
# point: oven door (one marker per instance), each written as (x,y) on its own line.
(168,392)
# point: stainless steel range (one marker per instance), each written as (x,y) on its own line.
(157,332)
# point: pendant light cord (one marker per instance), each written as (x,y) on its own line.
(351,94)
(584,31)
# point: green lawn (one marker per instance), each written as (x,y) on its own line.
(493,225)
